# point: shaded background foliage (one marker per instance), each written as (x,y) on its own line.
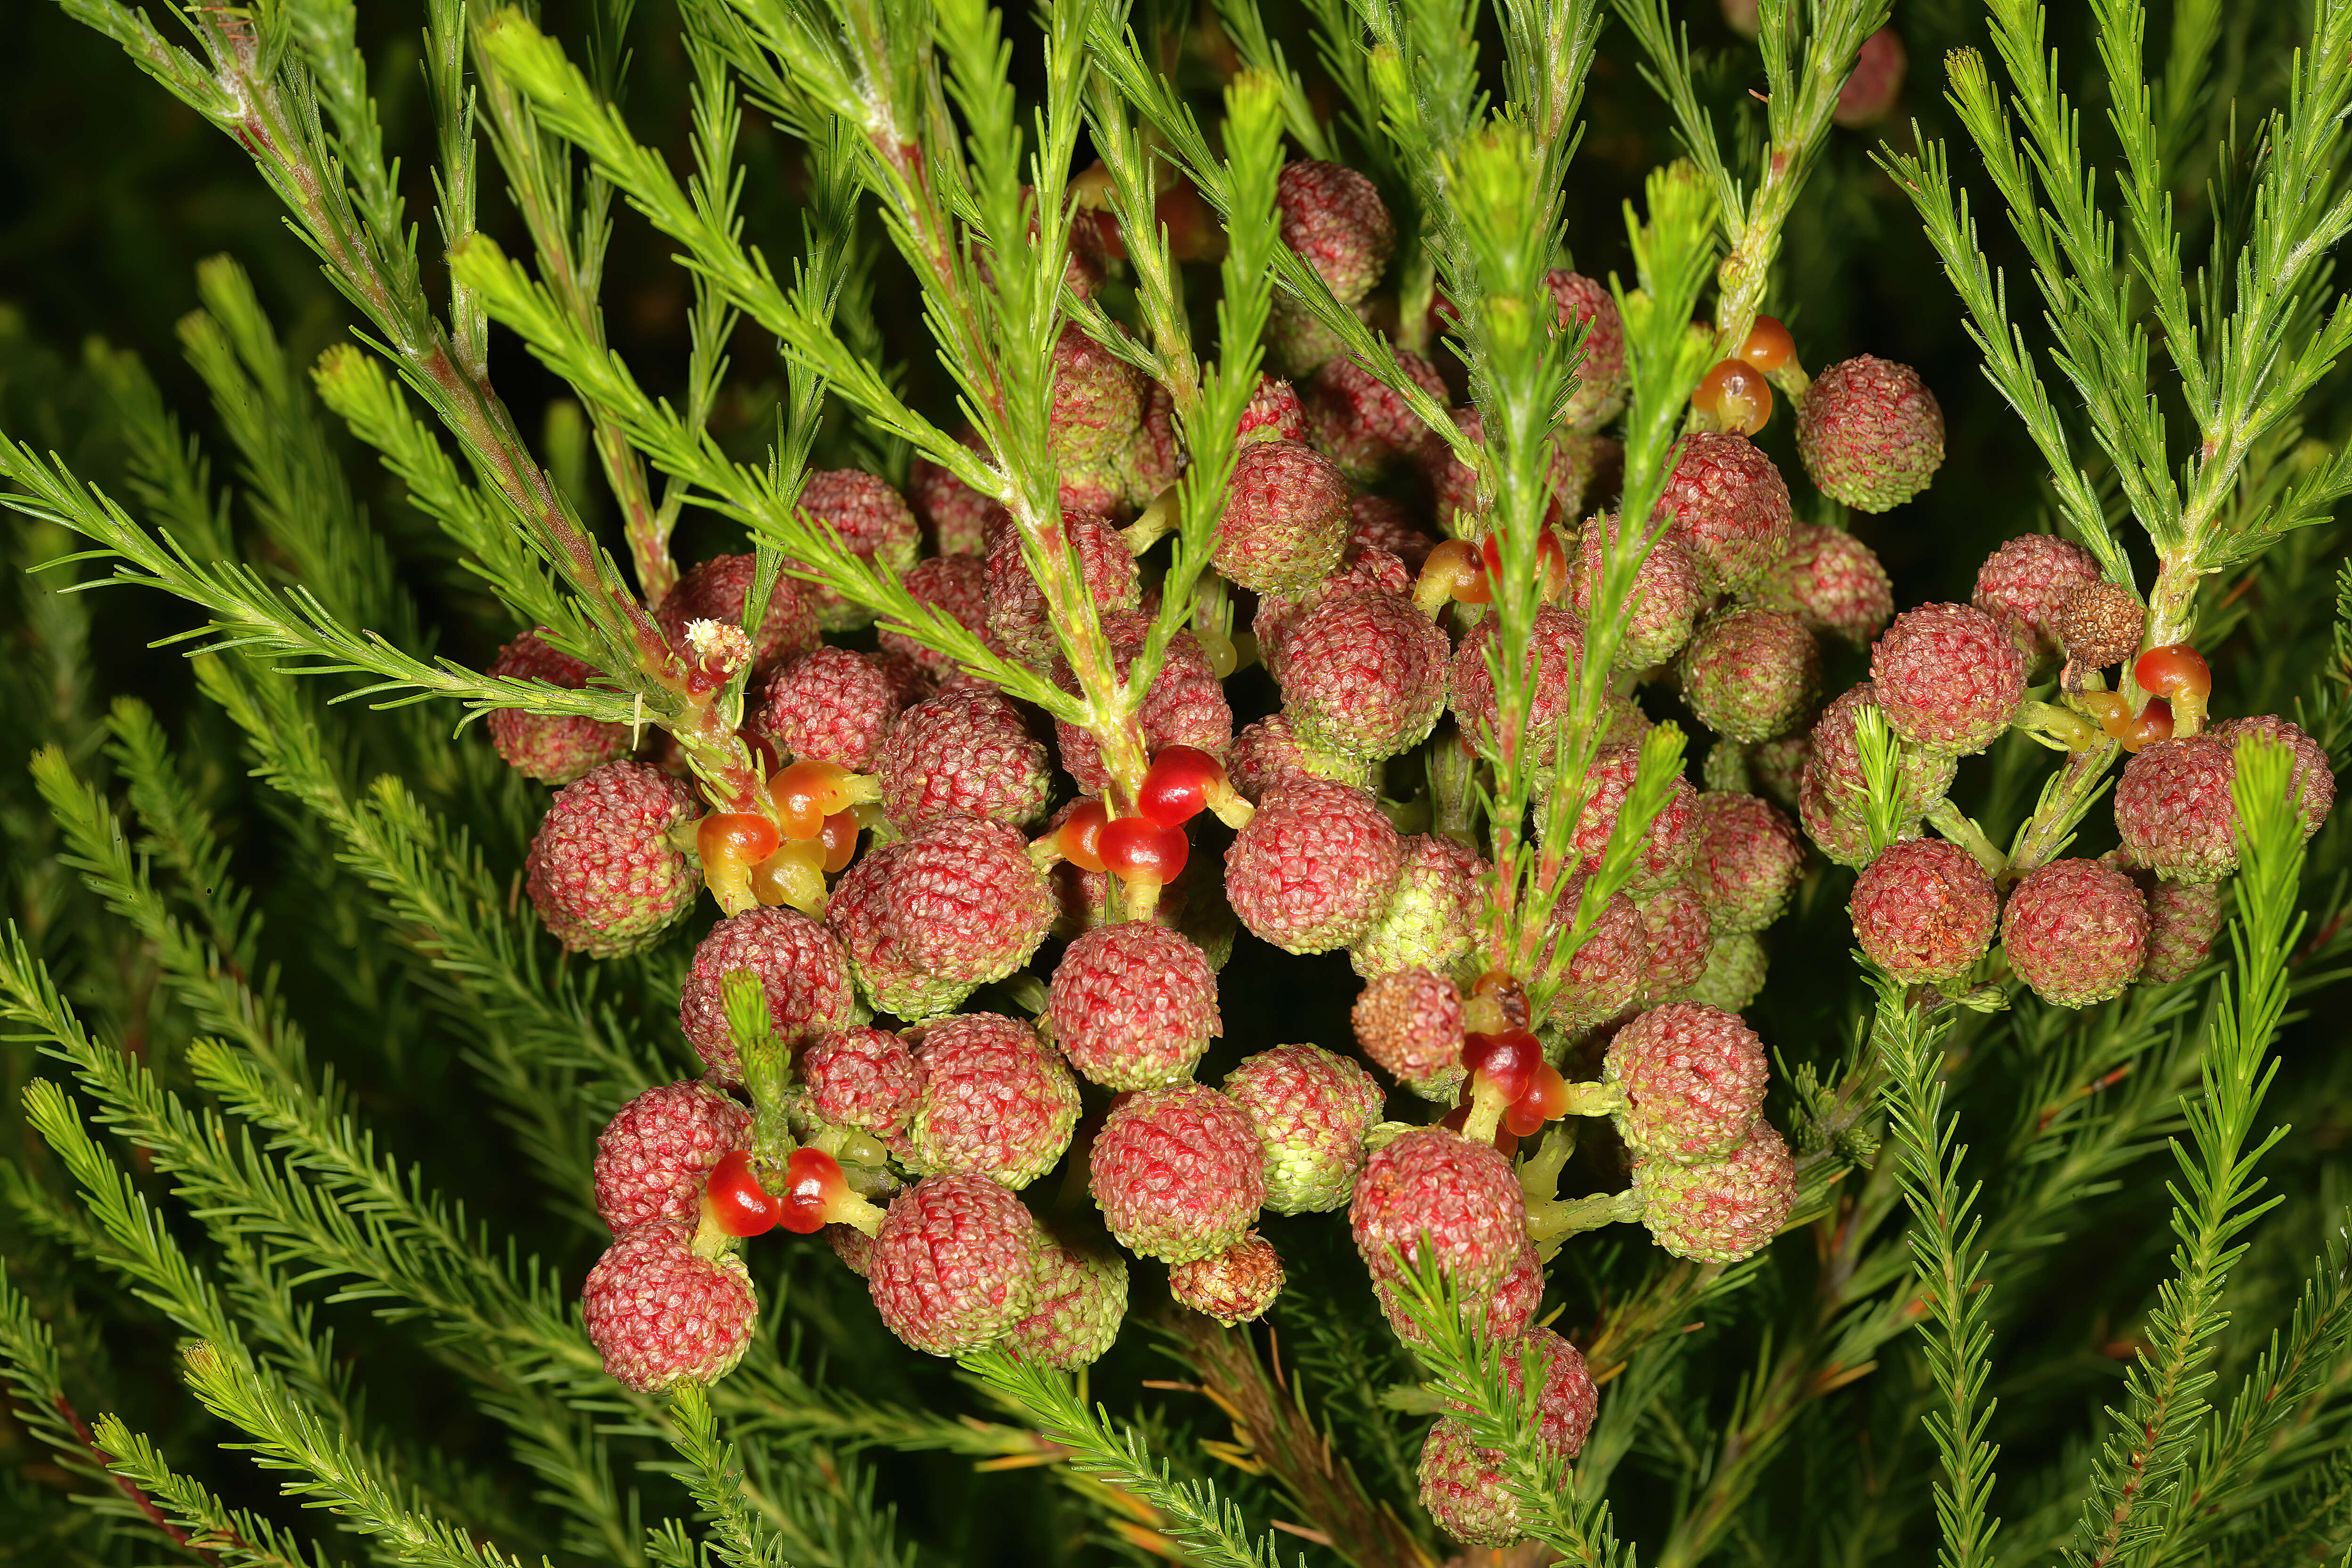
(111,194)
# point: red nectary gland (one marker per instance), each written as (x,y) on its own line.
(1136,847)
(737,1204)
(812,1184)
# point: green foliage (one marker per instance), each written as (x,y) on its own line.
(304,1098)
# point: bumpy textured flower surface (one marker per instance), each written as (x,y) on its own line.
(862,1077)
(1433,1192)
(601,872)
(956,585)
(1600,374)
(1665,846)
(2024,584)
(1734,975)
(1730,507)
(1133,1005)
(1098,400)
(2311,779)
(1360,425)
(1018,617)
(1285,523)
(832,705)
(1693,1078)
(1408,1022)
(1660,606)
(1870,433)
(955,1265)
(1178,1172)
(1313,866)
(2183,919)
(2076,932)
(963,750)
(1924,910)
(1334,217)
(872,520)
(1833,582)
(1311,1109)
(1579,465)
(659,1315)
(1947,677)
(1745,856)
(1555,654)
(1834,756)
(992,1099)
(1081,1302)
(1268,752)
(1680,936)
(2174,810)
(860,916)
(966,900)
(1461,1485)
(801,966)
(551,748)
(1722,1211)
(1364,673)
(2099,625)
(1750,673)
(1430,918)
(1606,972)
(1237,1285)
(654,1156)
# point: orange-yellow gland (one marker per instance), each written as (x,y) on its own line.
(1079,838)
(807,792)
(1454,570)
(2173,672)
(1769,345)
(839,836)
(2153,724)
(1551,559)
(1736,396)
(727,838)
(794,875)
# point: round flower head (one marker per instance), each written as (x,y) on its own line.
(1097,401)
(992,1099)
(659,1315)
(1580,465)
(1924,910)
(873,522)
(1835,820)
(1600,375)
(1875,83)
(1270,751)
(1274,414)
(1949,678)
(1664,600)
(1730,508)
(1430,913)
(2183,919)
(1285,523)
(955,1265)
(2076,932)
(1364,673)
(654,1154)
(954,586)
(718,589)
(1693,1078)
(1870,433)
(1408,1022)
(2174,808)
(1604,975)
(830,705)
(1680,936)
(1178,1172)
(1154,456)
(1722,1211)
(1432,1193)
(1313,866)
(862,1077)
(1463,1485)
(1667,844)
(1334,219)
(1081,1300)
(1833,582)
(1750,673)
(1278,614)
(1734,975)
(1555,652)
(553,748)
(860,916)
(964,749)
(966,899)
(1360,424)
(601,872)
(801,967)
(1311,1111)
(1133,1005)
(1375,522)
(1018,618)
(1747,858)
(1237,1285)
(2311,781)
(2024,583)
(1834,759)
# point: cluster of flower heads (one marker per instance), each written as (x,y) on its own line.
(931,836)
